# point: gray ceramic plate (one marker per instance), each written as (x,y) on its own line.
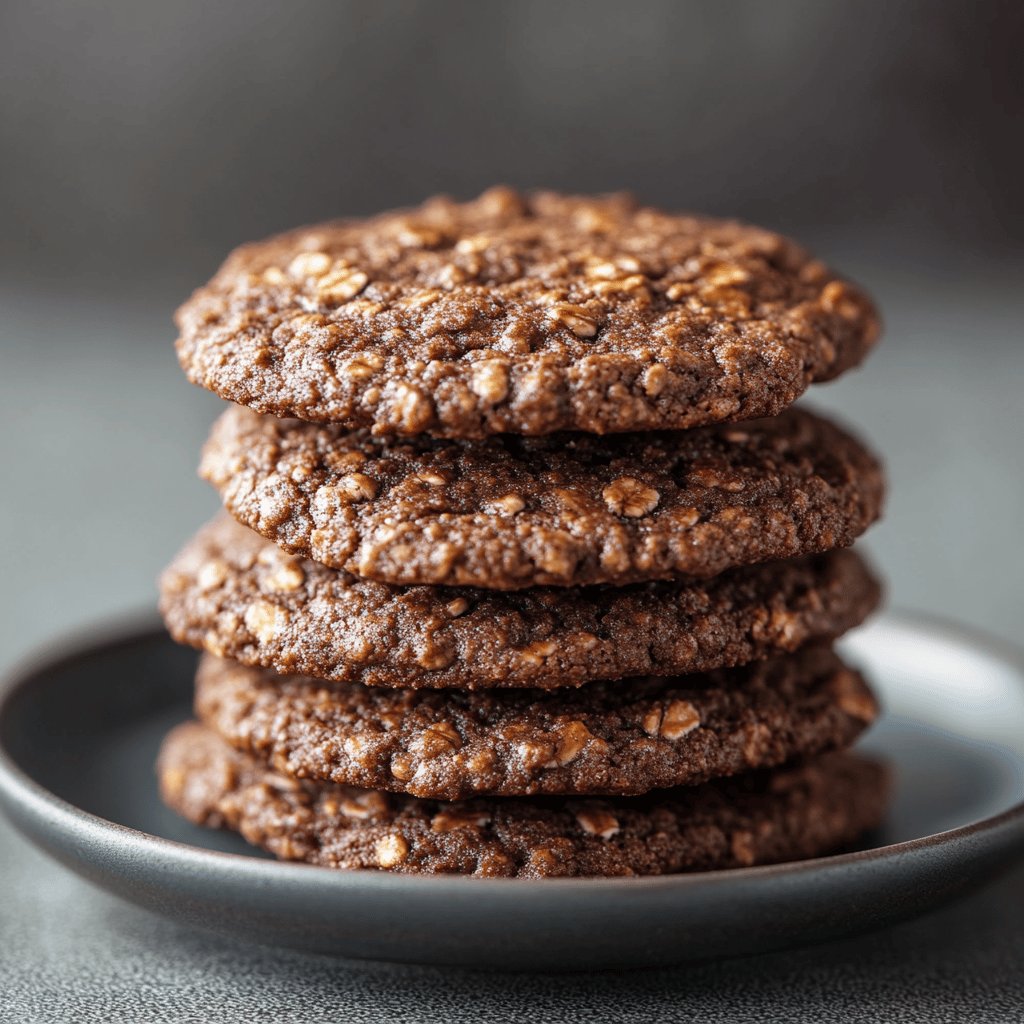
(79,733)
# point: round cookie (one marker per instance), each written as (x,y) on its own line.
(789,814)
(522,314)
(238,596)
(511,512)
(610,738)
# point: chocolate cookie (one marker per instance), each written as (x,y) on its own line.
(614,738)
(789,814)
(511,512)
(522,314)
(239,596)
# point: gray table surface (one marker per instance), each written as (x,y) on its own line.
(98,449)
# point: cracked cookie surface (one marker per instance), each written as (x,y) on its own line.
(617,738)
(511,512)
(759,818)
(239,596)
(522,314)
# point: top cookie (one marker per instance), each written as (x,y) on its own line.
(522,314)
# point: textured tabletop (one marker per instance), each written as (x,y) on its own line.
(69,952)
(101,490)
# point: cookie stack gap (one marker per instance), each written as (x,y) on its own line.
(502,586)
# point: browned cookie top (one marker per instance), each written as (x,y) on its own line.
(615,738)
(511,512)
(239,596)
(522,314)
(757,818)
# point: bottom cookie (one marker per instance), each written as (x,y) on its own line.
(762,818)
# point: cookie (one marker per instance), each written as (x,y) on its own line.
(611,738)
(511,512)
(236,595)
(760,818)
(522,314)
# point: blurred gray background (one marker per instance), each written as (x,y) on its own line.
(140,141)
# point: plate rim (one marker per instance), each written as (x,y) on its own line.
(20,791)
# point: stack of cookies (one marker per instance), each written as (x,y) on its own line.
(528,568)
